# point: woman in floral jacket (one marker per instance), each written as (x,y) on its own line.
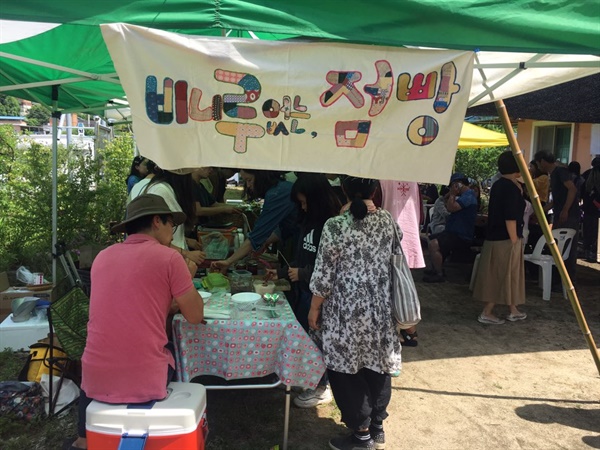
(352,310)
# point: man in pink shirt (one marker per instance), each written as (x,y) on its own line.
(135,285)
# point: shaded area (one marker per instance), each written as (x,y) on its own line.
(573,101)
(583,419)
(253,419)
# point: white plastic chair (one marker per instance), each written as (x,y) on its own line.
(564,239)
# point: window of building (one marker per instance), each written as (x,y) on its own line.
(554,138)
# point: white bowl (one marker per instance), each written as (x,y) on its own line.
(205,295)
(245,301)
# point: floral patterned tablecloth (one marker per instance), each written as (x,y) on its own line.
(248,348)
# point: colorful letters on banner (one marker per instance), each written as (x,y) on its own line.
(175,103)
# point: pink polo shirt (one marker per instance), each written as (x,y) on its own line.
(133,284)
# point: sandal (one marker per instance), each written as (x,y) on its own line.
(489,320)
(516,317)
(409,339)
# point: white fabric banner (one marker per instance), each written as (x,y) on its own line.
(370,111)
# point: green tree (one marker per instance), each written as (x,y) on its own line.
(91,194)
(9,106)
(37,116)
(479,164)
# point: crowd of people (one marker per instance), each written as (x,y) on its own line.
(324,222)
(511,227)
(338,235)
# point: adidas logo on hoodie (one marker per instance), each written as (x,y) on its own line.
(308,243)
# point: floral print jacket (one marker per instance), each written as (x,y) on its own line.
(352,273)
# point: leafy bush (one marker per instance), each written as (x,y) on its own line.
(91,194)
(9,106)
(478,164)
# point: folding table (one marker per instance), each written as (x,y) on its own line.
(251,347)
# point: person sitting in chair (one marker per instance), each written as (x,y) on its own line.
(460,227)
(135,285)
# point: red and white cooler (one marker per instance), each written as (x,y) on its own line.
(176,423)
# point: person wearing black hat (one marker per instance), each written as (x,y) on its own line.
(461,203)
(135,285)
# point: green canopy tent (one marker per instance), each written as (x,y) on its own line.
(522,45)
(534,33)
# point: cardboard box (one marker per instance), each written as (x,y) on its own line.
(8,293)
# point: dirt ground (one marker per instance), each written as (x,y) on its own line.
(524,385)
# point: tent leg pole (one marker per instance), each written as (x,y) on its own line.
(539,212)
(55,117)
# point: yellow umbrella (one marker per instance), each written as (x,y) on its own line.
(472,136)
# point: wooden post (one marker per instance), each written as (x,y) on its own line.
(539,212)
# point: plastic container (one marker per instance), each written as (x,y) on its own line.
(253,266)
(238,239)
(22,308)
(177,422)
(215,282)
(205,295)
(241,281)
(261,288)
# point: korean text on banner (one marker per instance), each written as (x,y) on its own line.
(380,112)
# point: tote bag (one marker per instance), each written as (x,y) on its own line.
(405,300)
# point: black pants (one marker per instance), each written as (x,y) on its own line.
(590,230)
(84,400)
(361,397)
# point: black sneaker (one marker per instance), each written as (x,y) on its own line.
(437,278)
(351,442)
(408,339)
(378,436)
